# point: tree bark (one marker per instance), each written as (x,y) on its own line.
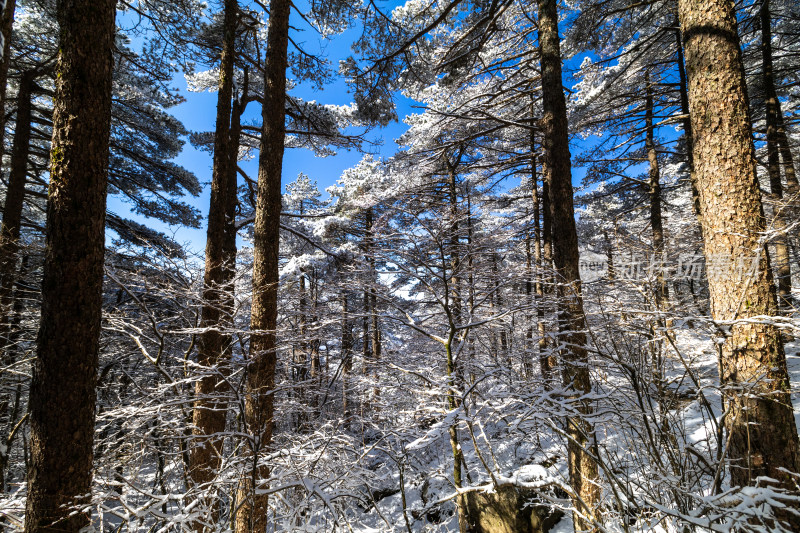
(654,192)
(464,519)
(546,362)
(6,25)
(467,364)
(583,469)
(215,344)
(453,299)
(62,394)
(374,326)
(609,256)
(454,238)
(792,185)
(347,357)
(260,382)
(12,420)
(763,436)
(783,267)
(372,338)
(527,362)
(550,363)
(789,172)
(686,122)
(12,210)
(10,230)
(314,341)
(300,354)
(366,352)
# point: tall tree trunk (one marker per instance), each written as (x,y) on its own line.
(454,281)
(789,172)
(467,365)
(549,363)
(259,402)
(583,469)
(62,394)
(6,25)
(464,519)
(367,244)
(546,360)
(455,252)
(453,297)
(374,329)
(686,122)
(792,185)
(547,224)
(347,357)
(763,436)
(782,264)
(216,315)
(300,386)
(497,304)
(657,228)
(301,358)
(372,338)
(316,361)
(527,362)
(10,230)
(12,210)
(366,347)
(609,256)
(654,192)
(13,422)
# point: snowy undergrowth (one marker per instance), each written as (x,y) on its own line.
(390,469)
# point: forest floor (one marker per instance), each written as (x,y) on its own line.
(429,465)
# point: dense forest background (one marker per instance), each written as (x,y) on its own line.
(550,280)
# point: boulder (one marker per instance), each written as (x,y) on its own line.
(510,510)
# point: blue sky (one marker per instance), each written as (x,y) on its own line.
(198,114)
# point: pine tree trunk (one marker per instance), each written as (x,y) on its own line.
(12,220)
(214,343)
(783,267)
(372,339)
(789,172)
(654,192)
(455,251)
(547,225)
(686,122)
(62,394)
(792,185)
(527,362)
(302,375)
(316,361)
(455,306)
(12,210)
(464,519)
(583,469)
(498,308)
(454,281)
(657,230)
(6,25)
(260,383)
(347,357)
(366,349)
(374,326)
(609,256)
(546,362)
(13,421)
(467,365)
(763,436)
